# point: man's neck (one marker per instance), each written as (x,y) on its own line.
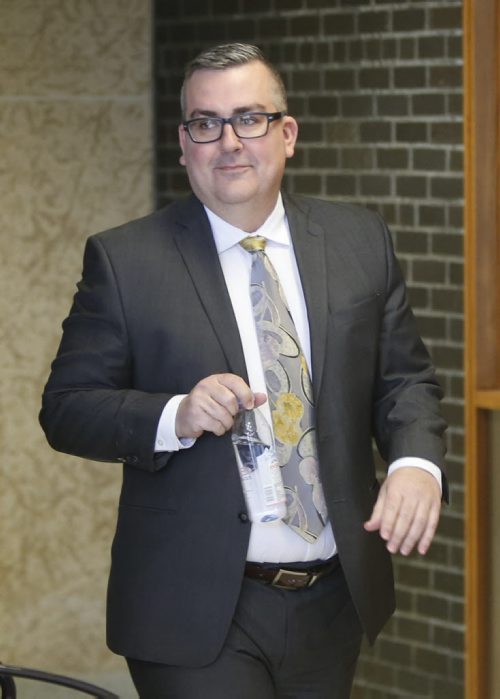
(247,217)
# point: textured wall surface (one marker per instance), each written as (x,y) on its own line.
(76,157)
(376,86)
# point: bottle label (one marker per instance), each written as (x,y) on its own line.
(269,469)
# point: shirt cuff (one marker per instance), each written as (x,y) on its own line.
(166,439)
(417,462)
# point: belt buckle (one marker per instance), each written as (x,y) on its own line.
(296,574)
(313,579)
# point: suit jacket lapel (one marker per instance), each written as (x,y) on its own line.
(196,245)
(197,248)
(309,247)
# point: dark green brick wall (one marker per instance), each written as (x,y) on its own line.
(377,89)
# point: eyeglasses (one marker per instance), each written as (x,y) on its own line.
(247,125)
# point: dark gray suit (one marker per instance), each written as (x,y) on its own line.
(151,318)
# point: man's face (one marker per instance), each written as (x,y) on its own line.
(237,178)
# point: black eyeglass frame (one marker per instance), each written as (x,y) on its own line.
(270,116)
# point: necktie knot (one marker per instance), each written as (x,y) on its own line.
(254,243)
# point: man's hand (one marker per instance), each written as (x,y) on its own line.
(212,405)
(407,510)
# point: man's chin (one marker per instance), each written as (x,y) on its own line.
(236,195)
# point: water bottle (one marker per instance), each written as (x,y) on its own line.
(258,466)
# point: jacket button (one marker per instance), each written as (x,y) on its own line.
(243,517)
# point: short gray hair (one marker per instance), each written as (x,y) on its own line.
(227,56)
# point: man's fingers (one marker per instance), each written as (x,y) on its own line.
(232,392)
(404,530)
(407,514)
(212,404)
(385,513)
(430,530)
(198,412)
(421,530)
(259,399)
(375,521)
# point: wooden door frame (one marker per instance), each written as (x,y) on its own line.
(482,318)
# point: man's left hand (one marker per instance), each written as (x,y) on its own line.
(407,510)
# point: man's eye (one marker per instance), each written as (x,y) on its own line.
(207,124)
(248,119)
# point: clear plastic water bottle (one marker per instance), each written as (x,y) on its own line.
(258,466)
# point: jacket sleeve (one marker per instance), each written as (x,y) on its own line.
(407,419)
(89,406)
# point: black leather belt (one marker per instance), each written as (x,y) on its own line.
(293,578)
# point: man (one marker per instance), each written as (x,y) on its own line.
(159,353)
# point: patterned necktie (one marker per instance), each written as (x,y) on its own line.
(290,395)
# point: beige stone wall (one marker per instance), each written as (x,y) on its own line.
(76,157)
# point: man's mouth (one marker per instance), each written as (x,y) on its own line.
(232,167)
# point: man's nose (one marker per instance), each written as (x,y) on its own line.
(229,139)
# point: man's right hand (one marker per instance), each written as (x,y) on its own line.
(212,405)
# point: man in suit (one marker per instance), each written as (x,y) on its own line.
(159,353)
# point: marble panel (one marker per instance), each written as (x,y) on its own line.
(74,47)
(76,145)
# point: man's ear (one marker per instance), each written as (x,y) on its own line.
(182,143)
(290,132)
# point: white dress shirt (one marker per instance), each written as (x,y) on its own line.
(269,541)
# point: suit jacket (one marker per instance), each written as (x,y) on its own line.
(151,318)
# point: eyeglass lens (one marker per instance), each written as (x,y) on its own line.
(250,125)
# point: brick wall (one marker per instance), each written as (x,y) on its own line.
(377,89)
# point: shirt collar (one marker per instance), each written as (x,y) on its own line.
(226,235)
